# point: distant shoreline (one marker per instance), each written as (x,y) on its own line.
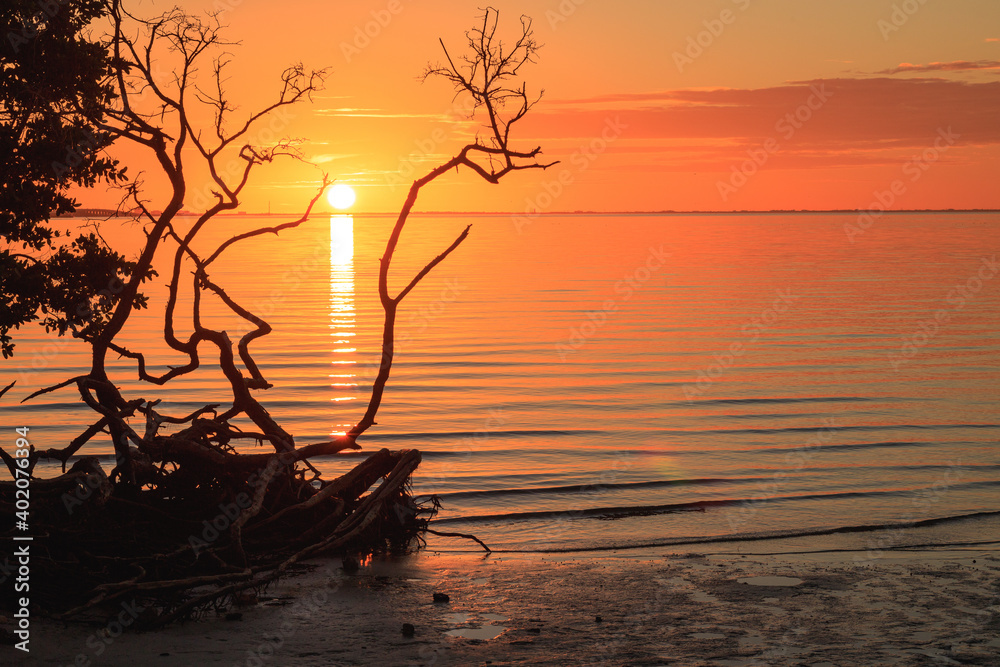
(661,213)
(502,214)
(556,214)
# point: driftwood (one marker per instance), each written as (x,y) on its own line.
(173,551)
(184,520)
(84,485)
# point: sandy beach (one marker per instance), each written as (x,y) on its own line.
(821,602)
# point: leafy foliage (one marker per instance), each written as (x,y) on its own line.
(54,91)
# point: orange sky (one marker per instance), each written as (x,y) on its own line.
(649,104)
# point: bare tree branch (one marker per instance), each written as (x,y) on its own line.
(488,66)
(171,480)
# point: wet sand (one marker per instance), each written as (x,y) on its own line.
(801,601)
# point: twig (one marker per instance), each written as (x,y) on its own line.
(463,535)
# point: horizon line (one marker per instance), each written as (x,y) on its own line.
(537,214)
(657,212)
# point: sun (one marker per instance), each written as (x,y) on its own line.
(341,196)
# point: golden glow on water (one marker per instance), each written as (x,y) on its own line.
(342,309)
(342,244)
(528,361)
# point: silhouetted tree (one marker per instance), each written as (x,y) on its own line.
(54,93)
(488,66)
(180,469)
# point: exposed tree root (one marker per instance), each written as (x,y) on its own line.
(184,520)
(194,536)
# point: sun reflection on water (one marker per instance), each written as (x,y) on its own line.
(342,313)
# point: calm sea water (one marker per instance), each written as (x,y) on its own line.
(580,382)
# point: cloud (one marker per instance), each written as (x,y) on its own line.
(324,158)
(861,114)
(350,112)
(953,66)
(619,97)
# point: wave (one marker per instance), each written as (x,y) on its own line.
(777,534)
(765,401)
(691,432)
(583,488)
(814,429)
(850,446)
(631,511)
(480,434)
